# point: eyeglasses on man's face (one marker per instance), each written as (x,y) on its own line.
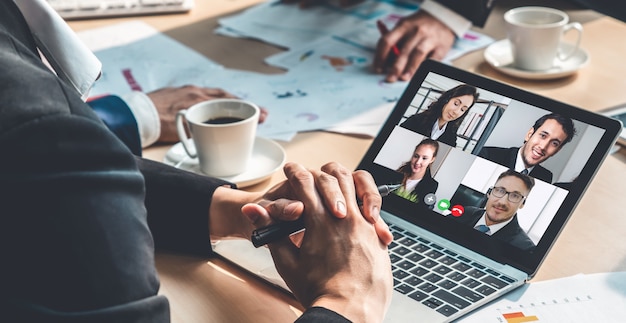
(513,197)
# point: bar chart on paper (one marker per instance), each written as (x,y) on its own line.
(519,317)
(568,309)
(581,298)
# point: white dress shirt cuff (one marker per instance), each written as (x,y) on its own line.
(457,23)
(146,115)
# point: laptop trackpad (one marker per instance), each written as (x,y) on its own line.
(405,309)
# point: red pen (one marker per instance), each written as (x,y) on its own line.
(383,31)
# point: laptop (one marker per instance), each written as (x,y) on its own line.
(443,266)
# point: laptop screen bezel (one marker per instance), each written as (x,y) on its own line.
(527,261)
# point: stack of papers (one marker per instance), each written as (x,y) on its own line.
(328,85)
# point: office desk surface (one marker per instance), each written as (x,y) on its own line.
(212,290)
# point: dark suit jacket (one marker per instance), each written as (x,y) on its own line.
(79,220)
(508,156)
(477,11)
(419,124)
(511,233)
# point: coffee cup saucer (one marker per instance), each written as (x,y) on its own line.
(267,157)
(499,56)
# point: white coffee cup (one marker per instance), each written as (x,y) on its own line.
(535,36)
(223,133)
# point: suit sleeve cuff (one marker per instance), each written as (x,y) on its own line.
(321,314)
(146,115)
(457,23)
(119,118)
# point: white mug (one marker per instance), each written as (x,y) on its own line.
(535,36)
(223,133)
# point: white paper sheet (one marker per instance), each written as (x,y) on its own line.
(328,83)
(582,298)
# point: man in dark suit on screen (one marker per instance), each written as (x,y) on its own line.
(499,217)
(544,139)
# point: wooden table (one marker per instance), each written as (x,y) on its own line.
(213,290)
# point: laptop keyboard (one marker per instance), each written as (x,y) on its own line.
(437,277)
(76,9)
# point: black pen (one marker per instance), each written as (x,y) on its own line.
(271,233)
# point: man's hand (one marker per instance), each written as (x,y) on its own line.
(418,36)
(336,186)
(168,101)
(341,263)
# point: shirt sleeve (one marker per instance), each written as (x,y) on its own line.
(146,115)
(132,117)
(457,23)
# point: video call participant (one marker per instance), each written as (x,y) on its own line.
(417,181)
(499,217)
(442,119)
(544,139)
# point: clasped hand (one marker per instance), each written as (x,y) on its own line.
(341,262)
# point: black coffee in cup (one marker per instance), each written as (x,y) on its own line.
(212,123)
(223,120)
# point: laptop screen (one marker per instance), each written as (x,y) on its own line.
(487,165)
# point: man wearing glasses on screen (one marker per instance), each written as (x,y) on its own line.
(499,217)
